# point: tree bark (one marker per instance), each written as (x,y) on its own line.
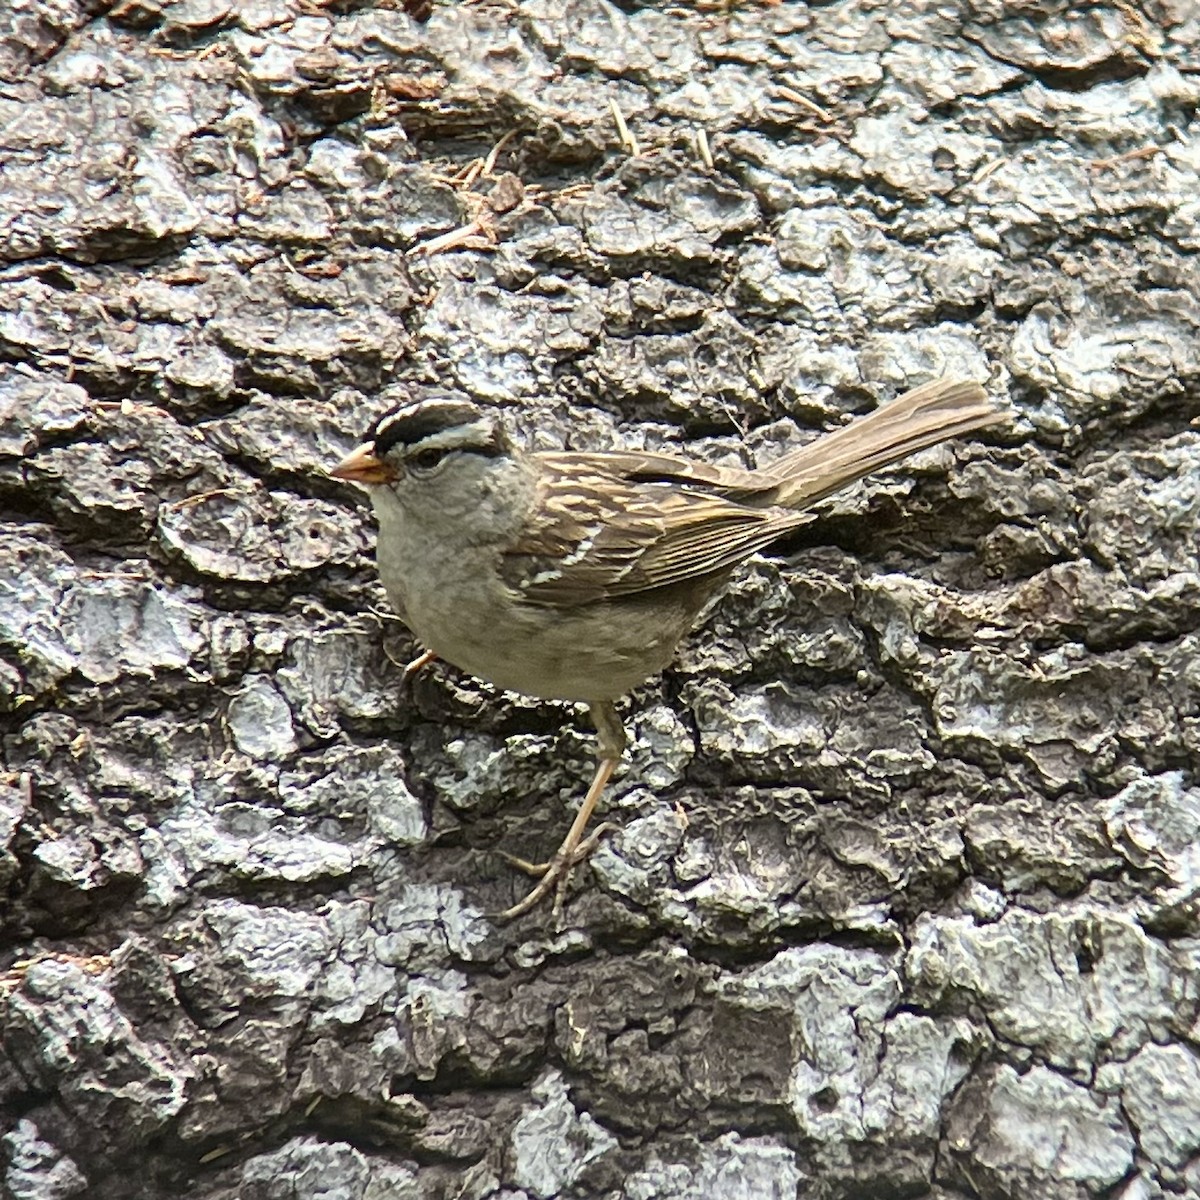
(904,897)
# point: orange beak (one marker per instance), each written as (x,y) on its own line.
(361,466)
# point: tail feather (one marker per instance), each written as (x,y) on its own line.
(920,418)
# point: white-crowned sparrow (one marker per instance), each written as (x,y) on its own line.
(573,576)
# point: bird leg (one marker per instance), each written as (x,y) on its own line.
(556,873)
(422,660)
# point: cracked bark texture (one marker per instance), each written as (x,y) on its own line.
(905,898)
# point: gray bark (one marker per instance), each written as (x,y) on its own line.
(904,901)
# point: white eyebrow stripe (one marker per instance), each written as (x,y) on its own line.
(460,437)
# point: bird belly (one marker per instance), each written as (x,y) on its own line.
(587,653)
(581,654)
(590,652)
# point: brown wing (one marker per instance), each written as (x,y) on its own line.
(650,466)
(616,524)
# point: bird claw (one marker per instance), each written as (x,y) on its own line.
(554,874)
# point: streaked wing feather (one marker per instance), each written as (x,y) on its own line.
(608,535)
(651,466)
(626,521)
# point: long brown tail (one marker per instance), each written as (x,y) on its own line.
(923,417)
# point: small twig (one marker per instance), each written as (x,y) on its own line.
(472,171)
(988,168)
(1104,164)
(200,498)
(572,190)
(628,141)
(481,226)
(135,576)
(786,93)
(489,163)
(702,147)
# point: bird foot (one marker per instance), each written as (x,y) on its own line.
(555,874)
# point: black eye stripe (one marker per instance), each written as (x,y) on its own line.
(483,449)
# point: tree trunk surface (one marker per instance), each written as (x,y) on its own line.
(903,900)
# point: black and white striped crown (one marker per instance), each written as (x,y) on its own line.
(437,420)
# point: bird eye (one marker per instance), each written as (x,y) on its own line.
(426,460)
